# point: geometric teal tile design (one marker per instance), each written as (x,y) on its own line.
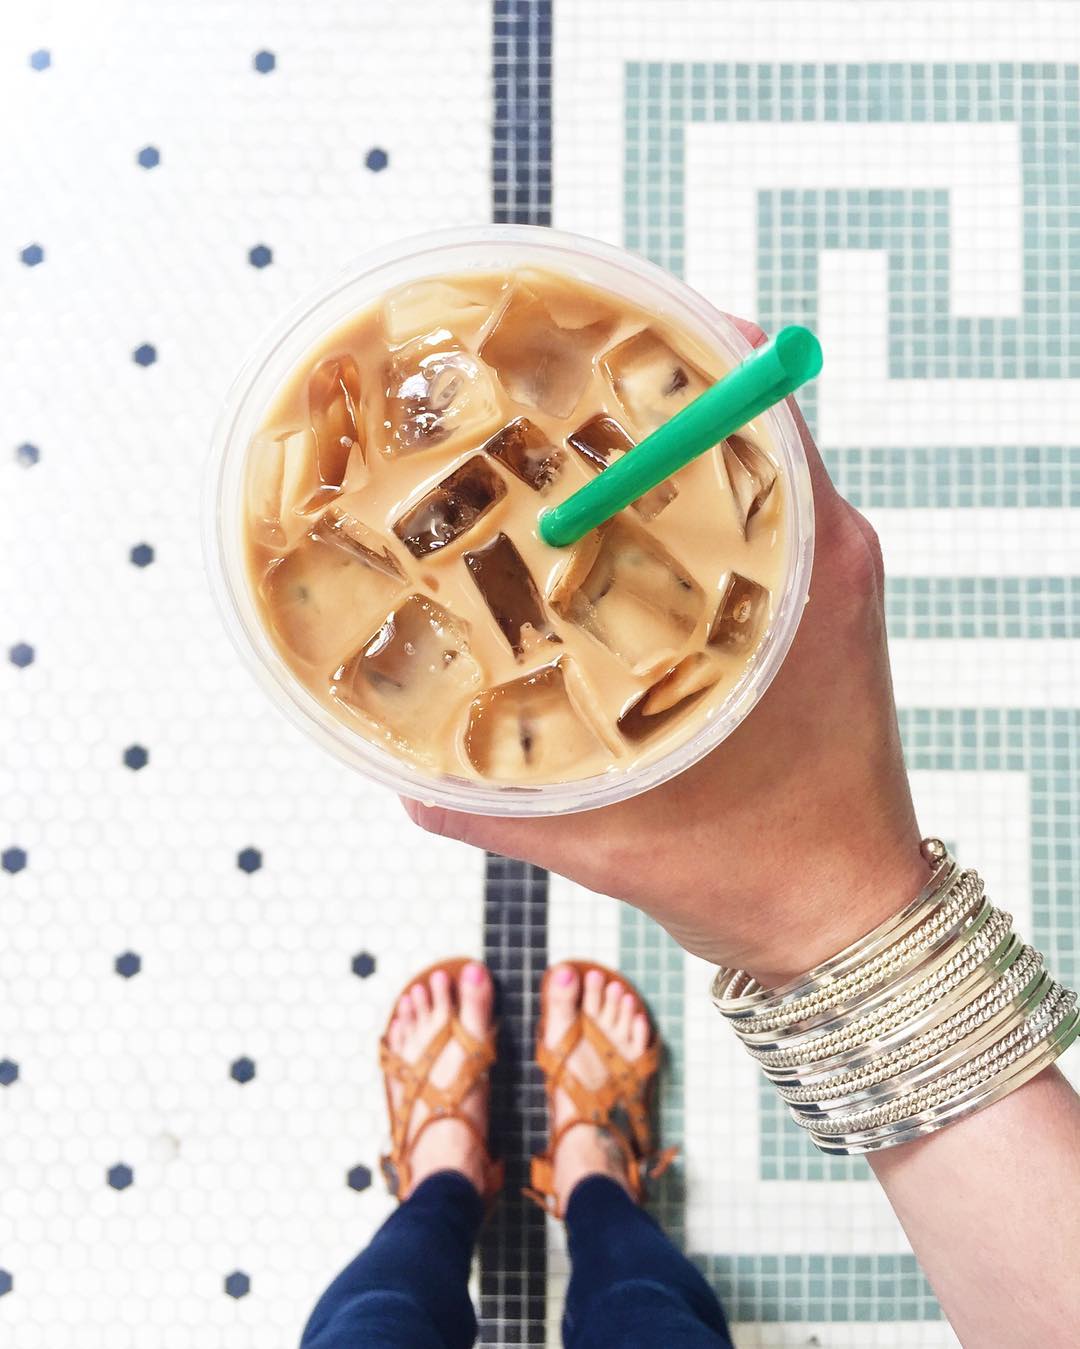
(874,478)
(841,1288)
(983,606)
(926,339)
(1044,744)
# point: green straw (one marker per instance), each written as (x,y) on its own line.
(769,375)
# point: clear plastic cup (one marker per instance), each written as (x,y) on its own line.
(361,284)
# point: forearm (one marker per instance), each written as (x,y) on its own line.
(991,1206)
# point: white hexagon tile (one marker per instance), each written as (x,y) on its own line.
(202,916)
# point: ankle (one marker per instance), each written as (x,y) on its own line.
(584,1151)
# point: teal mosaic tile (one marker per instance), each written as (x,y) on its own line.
(958,476)
(820,1287)
(986,606)
(926,339)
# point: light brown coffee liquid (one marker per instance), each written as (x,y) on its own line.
(392,498)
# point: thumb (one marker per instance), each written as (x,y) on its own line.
(480,831)
(537,841)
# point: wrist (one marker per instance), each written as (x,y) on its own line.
(843,895)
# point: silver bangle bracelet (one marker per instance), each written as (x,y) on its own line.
(937,1013)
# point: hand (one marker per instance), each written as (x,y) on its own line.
(797,834)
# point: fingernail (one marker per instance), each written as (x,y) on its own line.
(474,974)
(564,975)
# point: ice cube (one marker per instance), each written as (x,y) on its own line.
(426,306)
(674,692)
(600,441)
(335,412)
(524,449)
(341,527)
(412,676)
(629,593)
(330,591)
(741,616)
(539,362)
(651,380)
(283,489)
(449,510)
(436,394)
(751,475)
(529,729)
(511,594)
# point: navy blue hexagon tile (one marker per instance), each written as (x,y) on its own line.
(377,159)
(27,455)
(120,1176)
(144,354)
(127,965)
(359,1178)
(249,860)
(21,654)
(264,62)
(7,1283)
(9,1072)
(32,254)
(260,256)
(243,1070)
(135,757)
(149,157)
(41,59)
(237,1284)
(13,860)
(363,964)
(141,555)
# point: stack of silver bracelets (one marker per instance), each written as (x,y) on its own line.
(930,1017)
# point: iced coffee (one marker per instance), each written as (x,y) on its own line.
(391,505)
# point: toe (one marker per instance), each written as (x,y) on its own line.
(421,1001)
(594,993)
(562,995)
(405,1014)
(475,999)
(624,1020)
(609,1012)
(440,994)
(395,1035)
(639,1035)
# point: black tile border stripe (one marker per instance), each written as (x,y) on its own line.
(513,1258)
(521,131)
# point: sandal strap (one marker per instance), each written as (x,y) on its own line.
(619,1106)
(541,1188)
(625,1087)
(443,1102)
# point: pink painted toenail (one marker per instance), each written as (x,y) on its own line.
(474,974)
(564,975)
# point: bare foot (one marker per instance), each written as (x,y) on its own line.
(586,1150)
(422,1010)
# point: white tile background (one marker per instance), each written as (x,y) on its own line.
(227,1177)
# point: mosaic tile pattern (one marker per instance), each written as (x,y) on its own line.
(969,477)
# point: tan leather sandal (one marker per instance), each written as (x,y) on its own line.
(621,1105)
(442,1102)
